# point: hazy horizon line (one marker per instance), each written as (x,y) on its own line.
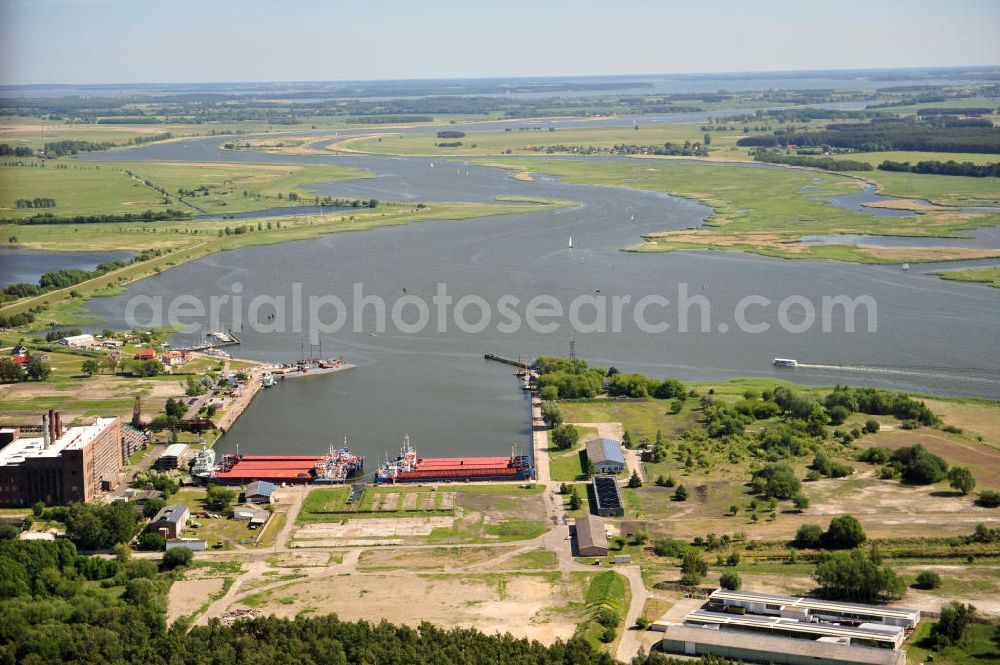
(515,78)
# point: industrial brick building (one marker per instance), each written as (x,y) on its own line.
(60,466)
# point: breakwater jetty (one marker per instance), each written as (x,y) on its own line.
(508,361)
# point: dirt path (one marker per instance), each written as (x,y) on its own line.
(218,607)
(629,645)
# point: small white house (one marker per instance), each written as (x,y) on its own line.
(244,513)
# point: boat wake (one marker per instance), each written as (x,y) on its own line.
(929,372)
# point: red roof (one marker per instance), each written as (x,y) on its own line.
(147,353)
(22,360)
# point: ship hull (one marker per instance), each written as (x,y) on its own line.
(299,469)
(462,469)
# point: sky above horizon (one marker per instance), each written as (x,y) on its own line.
(166,41)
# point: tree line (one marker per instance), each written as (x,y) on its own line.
(887,134)
(61,148)
(37,202)
(950,167)
(112,218)
(828,163)
(7,150)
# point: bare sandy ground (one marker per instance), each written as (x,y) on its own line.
(525,605)
(383,527)
(187,596)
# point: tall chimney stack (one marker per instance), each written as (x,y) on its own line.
(58,428)
(46,431)
(52,425)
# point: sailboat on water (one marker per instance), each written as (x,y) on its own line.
(571,242)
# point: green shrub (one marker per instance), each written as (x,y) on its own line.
(730,581)
(928,579)
(988,499)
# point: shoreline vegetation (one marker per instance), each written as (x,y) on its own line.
(769,211)
(984,275)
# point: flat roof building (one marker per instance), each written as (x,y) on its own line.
(591,538)
(760,648)
(827,610)
(606,455)
(608,496)
(61,465)
(866,634)
(173,457)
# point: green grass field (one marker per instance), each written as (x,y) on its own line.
(79,188)
(981,645)
(33,132)
(83,188)
(517,141)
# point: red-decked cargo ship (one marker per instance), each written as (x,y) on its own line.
(408,468)
(335,467)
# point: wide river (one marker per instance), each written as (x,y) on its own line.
(932,336)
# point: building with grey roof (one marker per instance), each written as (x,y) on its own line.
(170,521)
(591,538)
(806,608)
(606,455)
(749,647)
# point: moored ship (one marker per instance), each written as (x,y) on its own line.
(336,467)
(204,462)
(409,468)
